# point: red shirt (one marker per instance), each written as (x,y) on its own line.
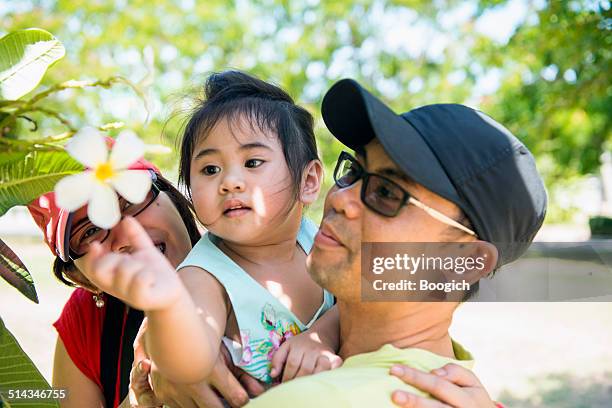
(80,328)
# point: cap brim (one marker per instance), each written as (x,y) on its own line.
(62,235)
(354,116)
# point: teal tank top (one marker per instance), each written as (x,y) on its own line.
(264,322)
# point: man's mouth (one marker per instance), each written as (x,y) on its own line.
(327,237)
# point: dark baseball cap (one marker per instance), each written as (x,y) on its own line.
(454,151)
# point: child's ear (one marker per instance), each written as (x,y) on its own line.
(312,177)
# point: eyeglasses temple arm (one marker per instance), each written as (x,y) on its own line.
(439,216)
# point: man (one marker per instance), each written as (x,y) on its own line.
(440,173)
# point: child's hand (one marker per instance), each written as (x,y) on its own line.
(143,278)
(301,355)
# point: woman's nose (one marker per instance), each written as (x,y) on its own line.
(117,240)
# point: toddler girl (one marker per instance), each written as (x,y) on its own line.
(250,164)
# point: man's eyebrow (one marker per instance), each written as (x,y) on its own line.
(360,153)
(395,173)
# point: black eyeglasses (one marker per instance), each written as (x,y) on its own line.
(87,233)
(381,194)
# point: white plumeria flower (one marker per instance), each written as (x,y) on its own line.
(105,174)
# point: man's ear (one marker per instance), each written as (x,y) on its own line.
(489,255)
(312,177)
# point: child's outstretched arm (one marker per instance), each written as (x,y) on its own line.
(182,339)
(312,351)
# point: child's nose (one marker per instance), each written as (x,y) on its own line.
(232,183)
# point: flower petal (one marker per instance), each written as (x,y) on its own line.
(127,149)
(133,185)
(88,146)
(103,209)
(73,192)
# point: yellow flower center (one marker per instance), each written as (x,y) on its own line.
(104,171)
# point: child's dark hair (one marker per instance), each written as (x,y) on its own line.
(64,271)
(232,94)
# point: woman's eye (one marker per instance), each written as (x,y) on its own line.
(252,163)
(211,170)
(89,232)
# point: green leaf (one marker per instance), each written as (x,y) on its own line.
(18,371)
(25,56)
(23,181)
(15,272)
(9,157)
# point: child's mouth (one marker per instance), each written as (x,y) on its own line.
(236,211)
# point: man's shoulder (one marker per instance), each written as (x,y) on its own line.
(362,381)
(346,386)
(313,390)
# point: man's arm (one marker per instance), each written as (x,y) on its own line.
(450,386)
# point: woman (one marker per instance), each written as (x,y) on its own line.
(94,353)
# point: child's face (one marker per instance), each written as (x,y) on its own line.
(240,183)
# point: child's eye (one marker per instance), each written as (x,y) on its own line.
(252,163)
(211,170)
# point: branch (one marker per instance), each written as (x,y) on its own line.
(38,145)
(57,116)
(31,121)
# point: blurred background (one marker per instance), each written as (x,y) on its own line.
(543,69)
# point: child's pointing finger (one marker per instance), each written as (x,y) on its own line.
(136,234)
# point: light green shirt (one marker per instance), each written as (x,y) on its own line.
(362,381)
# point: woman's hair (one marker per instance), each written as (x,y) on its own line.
(64,271)
(231,95)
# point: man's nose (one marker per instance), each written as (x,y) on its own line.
(346,200)
(232,182)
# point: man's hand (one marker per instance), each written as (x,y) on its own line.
(451,385)
(221,383)
(140,393)
(142,277)
(302,355)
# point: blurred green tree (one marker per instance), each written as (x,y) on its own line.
(551,83)
(556,90)
(556,93)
